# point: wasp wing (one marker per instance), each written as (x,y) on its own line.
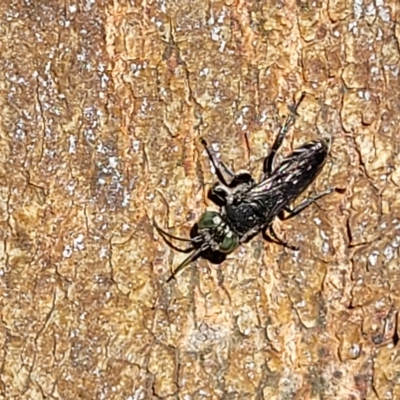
(290,178)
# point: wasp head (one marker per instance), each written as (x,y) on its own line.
(211,234)
(215,233)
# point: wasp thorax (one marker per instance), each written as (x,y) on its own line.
(210,219)
(229,242)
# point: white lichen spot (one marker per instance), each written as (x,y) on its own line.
(296,255)
(239,120)
(39,37)
(358,8)
(104,79)
(139,394)
(384,14)
(217,99)
(355,350)
(324,235)
(136,145)
(301,304)
(215,33)
(317,221)
(78,243)
(126,198)
(72,8)
(216,147)
(395,242)
(370,10)
(163,91)
(250,365)
(222,16)
(242,252)
(20,134)
(373,258)
(103,252)
(144,105)
(67,252)
(353,26)
(150,196)
(204,72)
(113,162)
(71,187)
(89,4)
(264,116)
(72,144)
(388,252)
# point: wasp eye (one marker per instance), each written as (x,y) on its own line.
(210,219)
(229,243)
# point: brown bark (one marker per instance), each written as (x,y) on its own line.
(102,107)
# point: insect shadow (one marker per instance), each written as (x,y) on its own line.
(247,207)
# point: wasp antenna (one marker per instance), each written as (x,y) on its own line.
(166,237)
(185,262)
(163,233)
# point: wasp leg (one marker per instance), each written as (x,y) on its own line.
(269,160)
(270,235)
(218,195)
(225,175)
(304,204)
(221,169)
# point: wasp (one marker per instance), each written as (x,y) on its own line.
(247,207)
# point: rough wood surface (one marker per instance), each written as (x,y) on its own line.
(102,107)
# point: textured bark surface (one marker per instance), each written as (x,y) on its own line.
(102,107)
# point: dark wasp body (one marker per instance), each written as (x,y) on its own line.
(247,207)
